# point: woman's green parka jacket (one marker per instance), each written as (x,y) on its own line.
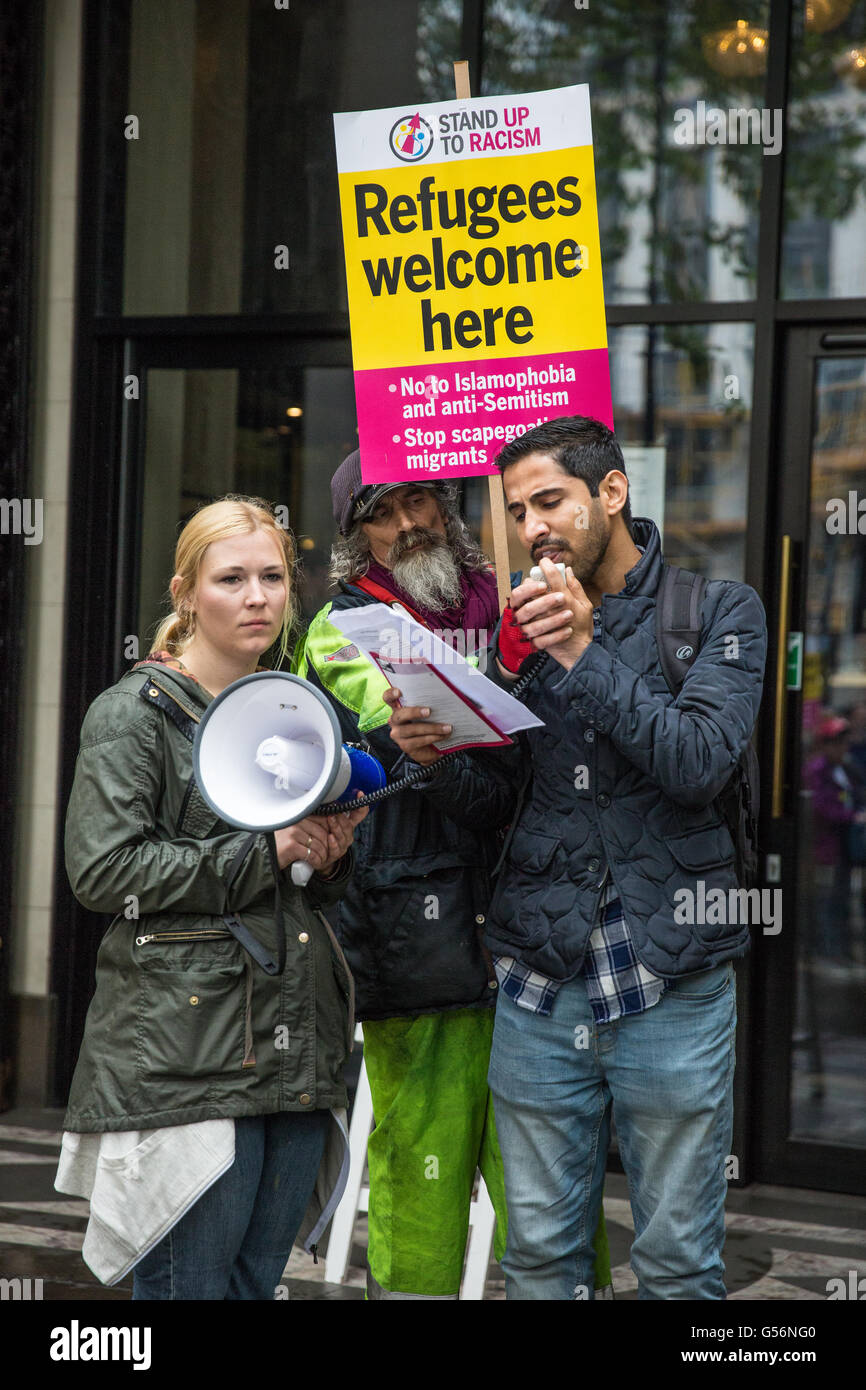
(184,1026)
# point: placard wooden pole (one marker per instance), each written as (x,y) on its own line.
(463,89)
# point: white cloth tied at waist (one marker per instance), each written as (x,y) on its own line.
(141,1182)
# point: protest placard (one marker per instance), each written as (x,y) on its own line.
(473,267)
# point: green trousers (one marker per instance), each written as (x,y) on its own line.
(434,1127)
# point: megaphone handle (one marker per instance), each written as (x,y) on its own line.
(301,873)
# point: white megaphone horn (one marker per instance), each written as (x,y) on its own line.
(269,750)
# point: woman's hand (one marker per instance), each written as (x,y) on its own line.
(341,831)
(319,841)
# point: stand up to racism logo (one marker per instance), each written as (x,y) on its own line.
(411,138)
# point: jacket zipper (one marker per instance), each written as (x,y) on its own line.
(180,936)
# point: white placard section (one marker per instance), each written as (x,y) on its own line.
(488,126)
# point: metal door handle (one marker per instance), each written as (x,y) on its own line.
(781,680)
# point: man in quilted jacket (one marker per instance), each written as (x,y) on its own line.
(617,916)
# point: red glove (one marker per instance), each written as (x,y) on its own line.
(513,648)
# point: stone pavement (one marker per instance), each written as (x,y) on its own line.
(782,1243)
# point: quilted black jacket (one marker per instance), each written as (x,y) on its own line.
(655,765)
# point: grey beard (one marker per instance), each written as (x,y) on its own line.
(430,575)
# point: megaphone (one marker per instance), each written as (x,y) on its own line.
(268,751)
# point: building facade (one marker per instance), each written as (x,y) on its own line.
(177,329)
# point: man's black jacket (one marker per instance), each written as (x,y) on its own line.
(645,805)
(412,919)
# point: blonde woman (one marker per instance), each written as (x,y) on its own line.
(208,1093)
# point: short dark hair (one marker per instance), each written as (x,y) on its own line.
(583,447)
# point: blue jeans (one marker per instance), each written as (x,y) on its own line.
(667,1074)
(234,1242)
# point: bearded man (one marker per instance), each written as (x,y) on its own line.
(411,921)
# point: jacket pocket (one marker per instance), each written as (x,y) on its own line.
(709,848)
(531,852)
(523,888)
(707,858)
(419,947)
(192,1005)
(208,935)
(702,988)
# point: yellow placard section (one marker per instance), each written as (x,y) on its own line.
(491,287)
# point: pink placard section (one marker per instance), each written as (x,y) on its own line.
(451,421)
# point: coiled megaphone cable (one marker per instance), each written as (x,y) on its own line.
(411,779)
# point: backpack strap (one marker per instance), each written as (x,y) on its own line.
(678,635)
(678,622)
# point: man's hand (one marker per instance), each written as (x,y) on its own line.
(556,619)
(411,730)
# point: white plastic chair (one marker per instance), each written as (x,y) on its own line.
(482,1217)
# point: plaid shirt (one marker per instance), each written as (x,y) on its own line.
(616,982)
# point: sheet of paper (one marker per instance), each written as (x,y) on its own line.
(420,684)
(397,637)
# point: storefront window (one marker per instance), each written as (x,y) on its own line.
(277,435)
(230,170)
(682,408)
(828,1039)
(824,247)
(680,142)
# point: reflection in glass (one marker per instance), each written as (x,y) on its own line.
(737,52)
(678,181)
(213,432)
(824,245)
(828,1091)
(235,157)
(687,390)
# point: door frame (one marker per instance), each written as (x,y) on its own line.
(779,1158)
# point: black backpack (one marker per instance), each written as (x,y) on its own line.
(678,634)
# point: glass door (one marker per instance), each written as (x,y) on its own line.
(275,433)
(812,1024)
(264,417)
